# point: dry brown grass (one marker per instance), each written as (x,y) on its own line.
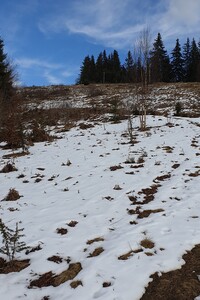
(12,195)
(181,284)
(50,279)
(61,231)
(8,168)
(95,240)
(147,243)
(96,252)
(13,266)
(128,254)
(74,284)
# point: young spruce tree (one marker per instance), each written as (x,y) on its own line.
(177,63)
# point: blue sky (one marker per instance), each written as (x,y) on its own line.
(48,39)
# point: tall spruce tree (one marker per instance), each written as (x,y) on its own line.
(194,62)
(99,68)
(6,76)
(87,73)
(159,62)
(186,59)
(116,67)
(177,63)
(129,67)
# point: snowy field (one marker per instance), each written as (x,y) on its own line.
(122,211)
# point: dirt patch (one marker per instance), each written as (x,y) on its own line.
(18,154)
(98,239)
(55,258)
(49,279)
(85,126)
(195,174)
(146,213)
(162,178)
(136,166)
(74,284)
(61,231)
(96,252)
(147,243)
(168,149)
(149,193)
(106,284)
(72,223)
(114,168)
(13,266)
(12,195)
(129,254)
(175,166)
(181,284)
(8,168)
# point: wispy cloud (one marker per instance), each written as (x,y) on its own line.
(53,73)
(52,79)
(117,23)
(33,62)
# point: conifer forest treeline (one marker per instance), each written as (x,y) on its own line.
(182,65)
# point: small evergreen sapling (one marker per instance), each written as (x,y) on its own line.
(11,241)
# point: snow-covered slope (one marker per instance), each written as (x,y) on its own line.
(112,208)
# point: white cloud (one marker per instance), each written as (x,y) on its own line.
(27,63)
(117,23)
(104,21)
(52,79)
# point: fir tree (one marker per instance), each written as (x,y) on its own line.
(194,62)
(6,76)
(159,61)
(186,59)
(11,241)
(99,68)
(129,67)
(116,67)
(177,63)
(87,70)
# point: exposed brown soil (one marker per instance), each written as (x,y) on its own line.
(114,168)
(136,166)
(149,193)
(129,254)
(61,231)
(181,284)
(8,168)
(85,126)
(72,223)
(55,258)
(175,166)
(98,239)
(12,195)
(162,178)
(14,155)
(168,149)
(13,266)
(96,252)
(147,243)
(106,284)
(50,279)
(76,283)
(146,213)
(195,174)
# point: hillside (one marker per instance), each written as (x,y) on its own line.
(103,216)
(162,98)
